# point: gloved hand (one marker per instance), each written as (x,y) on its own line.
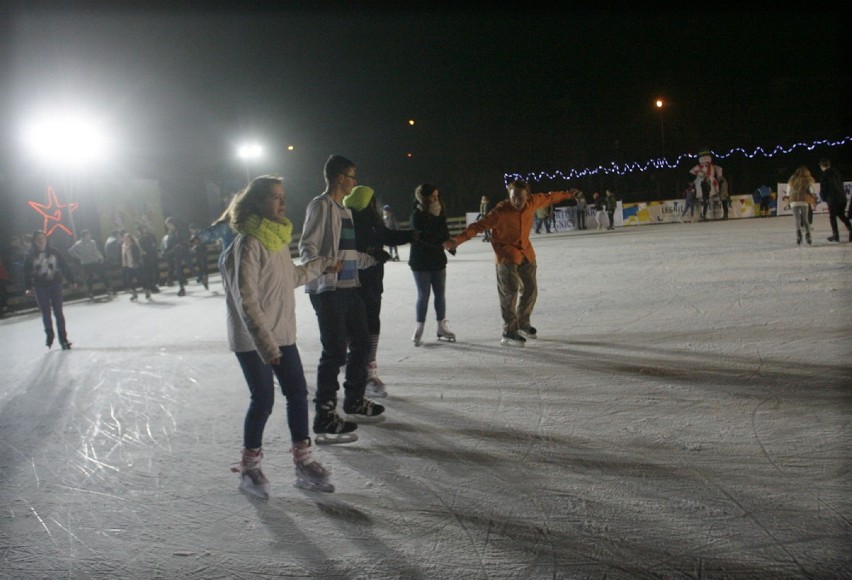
(379,254)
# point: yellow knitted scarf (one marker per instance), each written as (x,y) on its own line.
(272,235)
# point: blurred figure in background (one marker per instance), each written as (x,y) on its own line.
(391,223)
(44,271)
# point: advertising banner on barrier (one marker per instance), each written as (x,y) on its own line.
(672,211)
(564,219)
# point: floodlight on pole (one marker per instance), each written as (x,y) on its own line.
(68,140)
(249,152)
(660,104)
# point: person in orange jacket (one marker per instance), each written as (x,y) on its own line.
(510,223)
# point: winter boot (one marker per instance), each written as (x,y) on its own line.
(310,474)
(418,333)
(50,337)
(363,410)
(330,428)
(808,238)
(252,479)
(134,296)
(798,237)
(375,385)
(444,332)
(147,294)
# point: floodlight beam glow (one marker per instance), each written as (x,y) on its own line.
(67,138)
(249,151)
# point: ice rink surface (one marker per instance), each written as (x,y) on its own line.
(685,413)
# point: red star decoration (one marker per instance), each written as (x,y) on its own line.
(55,215)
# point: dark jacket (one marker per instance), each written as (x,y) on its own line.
(370,237)
(427,253)
(148,244)
(831,189)
(55,268)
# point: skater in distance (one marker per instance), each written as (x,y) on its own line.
(44,270)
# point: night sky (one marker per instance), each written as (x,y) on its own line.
(491,91)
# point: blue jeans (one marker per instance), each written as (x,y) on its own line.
(345,339)
(435,281)
(259,377)
(50,298)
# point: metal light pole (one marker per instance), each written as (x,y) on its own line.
(660,104)
(68,140)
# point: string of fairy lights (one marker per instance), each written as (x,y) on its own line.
(662,163)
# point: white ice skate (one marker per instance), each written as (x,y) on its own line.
(418,333)
(444,332)
(310,474)
(375,385)
(252,479)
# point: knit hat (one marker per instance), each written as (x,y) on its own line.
(359,198)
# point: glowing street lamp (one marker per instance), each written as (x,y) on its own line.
(660,104)
(249,152)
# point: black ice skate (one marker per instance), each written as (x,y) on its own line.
(528,332)
(363,411)
(513,339)
(330,429)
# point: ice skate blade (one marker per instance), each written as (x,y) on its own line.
(447,338)
(312,486)
(511,343)
(254,492)
(365,419)
(335,438)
